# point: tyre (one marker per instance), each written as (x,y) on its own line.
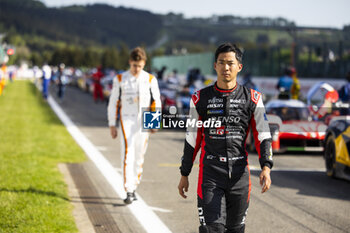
(329,155)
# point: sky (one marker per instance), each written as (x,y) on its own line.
(318,13)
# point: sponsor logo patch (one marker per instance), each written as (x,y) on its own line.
(255,96)
(235,112)
(195,97)
(215,111)
(240,101)
(215,105)
(215,100)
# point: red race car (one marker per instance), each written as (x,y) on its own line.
(292,128)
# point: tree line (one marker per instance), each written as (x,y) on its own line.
(110,57)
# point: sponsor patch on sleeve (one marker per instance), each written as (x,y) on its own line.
(255,96)
(195,97)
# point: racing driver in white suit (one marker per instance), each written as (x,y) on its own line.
(134,92)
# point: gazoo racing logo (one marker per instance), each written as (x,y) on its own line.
(217,131)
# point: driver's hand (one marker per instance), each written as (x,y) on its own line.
(183,186)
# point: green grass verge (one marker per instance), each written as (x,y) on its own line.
(33,194)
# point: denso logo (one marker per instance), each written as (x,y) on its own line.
(201,216)
(227,119)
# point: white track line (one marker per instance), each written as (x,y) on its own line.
(143,213)
(161,210)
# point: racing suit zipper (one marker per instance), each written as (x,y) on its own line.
(229,161)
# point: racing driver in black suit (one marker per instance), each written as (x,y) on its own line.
(224,178)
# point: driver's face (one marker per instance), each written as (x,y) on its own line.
(136,67)
(227,67)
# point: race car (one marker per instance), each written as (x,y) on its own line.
(337,147)
(292,128)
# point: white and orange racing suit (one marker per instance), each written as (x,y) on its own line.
(131,96)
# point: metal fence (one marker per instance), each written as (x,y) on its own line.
(262,61)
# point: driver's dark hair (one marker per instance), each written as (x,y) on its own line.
(228,47)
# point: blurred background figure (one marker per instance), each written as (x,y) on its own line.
(194,75)
(344,91)
(61,82)
(295,89)
(173,79)
(248,82)
(160,73)
(46,80)
(11,75)
(195,79)
(184,99)
(285,83)
(98,91)
(3,77)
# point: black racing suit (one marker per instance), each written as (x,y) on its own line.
(224,177)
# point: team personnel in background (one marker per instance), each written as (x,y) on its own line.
(11,75)
(224,177)
(284,84)
(132,93)
(295,88)
(98,92)
(3,77)
(344,95)
(344,91)
(46,80)
(61,82)
(248,82)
